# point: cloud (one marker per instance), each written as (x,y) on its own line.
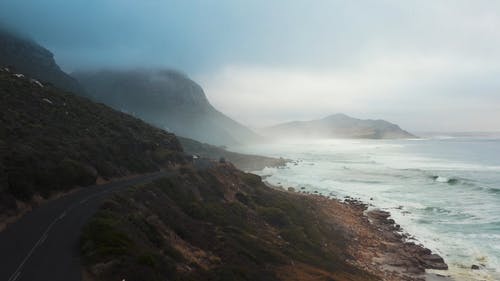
(406,88)
(269,61)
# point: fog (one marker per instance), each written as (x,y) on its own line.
(425,65)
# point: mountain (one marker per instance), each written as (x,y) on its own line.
(337,126)
(51,141)
(27,57)
(168,91)
(166,99)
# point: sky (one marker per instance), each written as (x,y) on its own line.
(425,65)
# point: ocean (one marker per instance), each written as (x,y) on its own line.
(445,192)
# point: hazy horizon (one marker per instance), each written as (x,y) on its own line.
(428,66)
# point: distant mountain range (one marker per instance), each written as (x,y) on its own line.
(167,99)
(172,101)
(337,126)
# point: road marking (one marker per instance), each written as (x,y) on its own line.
(44,237)
(17,273)
(16,276)
(45,234)
(62,215)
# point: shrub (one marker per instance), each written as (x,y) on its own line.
(251,179)
(148,259)
(274,216)
(162,155)
(101,239)
(71,172)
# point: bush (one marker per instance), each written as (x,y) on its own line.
(101,239)
(162,155)
(274,216)
(243,198)
(20,186)
(251,179)
(148,259)
(71,172)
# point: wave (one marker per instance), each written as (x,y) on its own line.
(437,210)
(490,189)
(442,179)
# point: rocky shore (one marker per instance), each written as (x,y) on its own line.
(224,224)
(379,245)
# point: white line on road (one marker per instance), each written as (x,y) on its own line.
(16,276)
(45,234)
(38,243)
(62,215)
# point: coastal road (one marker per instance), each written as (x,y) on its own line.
(44,244)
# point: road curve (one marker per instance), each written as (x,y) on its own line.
(44,244)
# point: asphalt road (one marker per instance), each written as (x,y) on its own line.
(44,244)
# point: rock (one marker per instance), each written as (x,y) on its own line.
(291,189)
(379,215)
(415,269)
(474,267)
(433,261)
(425,251)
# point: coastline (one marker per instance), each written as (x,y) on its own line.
(379,245)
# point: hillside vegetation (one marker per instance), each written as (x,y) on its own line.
(51,140)
(216,224)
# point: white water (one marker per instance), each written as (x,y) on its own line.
(445,192)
